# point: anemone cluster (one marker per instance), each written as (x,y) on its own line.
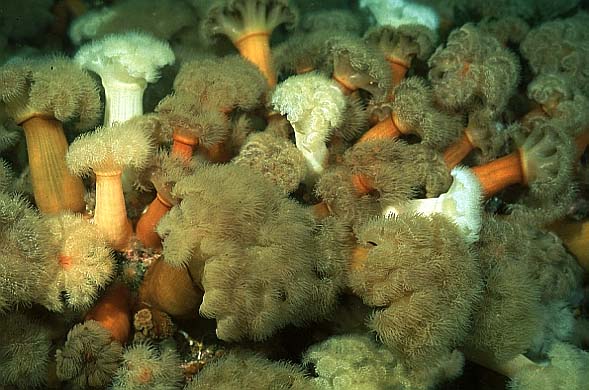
(256,194)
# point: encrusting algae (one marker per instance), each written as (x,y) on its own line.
(294,194)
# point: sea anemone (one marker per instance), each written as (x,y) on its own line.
(543,161)
(206,92)
(274,157)
(106,152)
(144,366)
(89,357)
(423,281)
(161,18)
(6,176)
(25,347)
(83,265)
(331,20)
(249,24)
(244,242)
(126,63)
(402,44)
(355,361)
(567,369)
(461,204)
(40,95)
(401,12)
(165,170)
(313,105)
(170,289)
(558,46)
(25,245)
(472,71)
(412,112)
(247,370)
(358,66)
(508,317)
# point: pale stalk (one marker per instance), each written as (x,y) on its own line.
(110,214)
(509,368)
(461,204)
(123,101)
(313,148)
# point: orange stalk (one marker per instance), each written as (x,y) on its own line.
(399,69)
(145,229)
(465,69)
(54,188)
(169,289)
(255,47)
(321,210)
(385,129)
(500,173)
(575,236)
(344,85)
(218,153)
(274,117)
(183,146)
(581,141)
(304,69)
(361,184)
(358,258)
(113,312)
(456,152)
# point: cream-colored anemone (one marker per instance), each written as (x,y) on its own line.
(313,104)
(126,63)
(82,266)
(461,204)
(107,152)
